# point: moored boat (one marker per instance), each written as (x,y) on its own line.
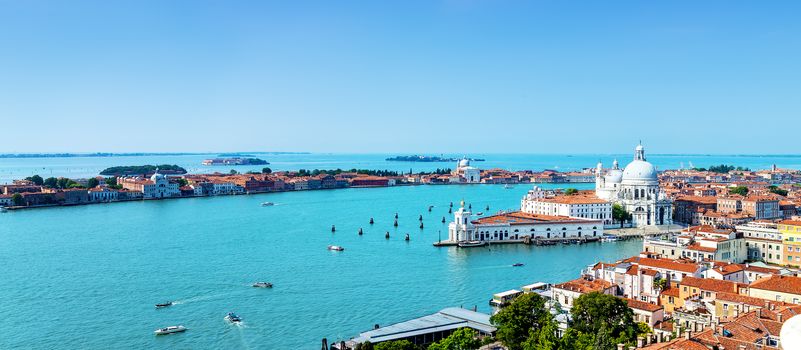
(468,244)
(262,285)
(336,248)
(170,330)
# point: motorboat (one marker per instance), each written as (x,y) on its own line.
(336,248)
(3,209)
(267,204)
(610,238)
(468,244)
(480,213)
(170,330)
(518,264)
(163,305)
(233,318)
(262,285)
(508,186)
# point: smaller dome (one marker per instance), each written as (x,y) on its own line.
(464,163)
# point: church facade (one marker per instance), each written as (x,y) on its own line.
(636,189)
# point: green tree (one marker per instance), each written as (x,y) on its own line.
(514,322)
(571,191)
(17,199)
(266,170)
(92,182)
(395,345)
(462,339)
(182,182)
(775,189)
(741,190)
(36,179)
(233,172)
(51,182)
(605,318)
(364,346)
(620,214)
(546,338)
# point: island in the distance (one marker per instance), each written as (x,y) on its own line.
(235,161)
(428,159)
(128,170)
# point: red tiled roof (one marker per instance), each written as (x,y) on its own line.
(641,305)
(783,284)
(709,284)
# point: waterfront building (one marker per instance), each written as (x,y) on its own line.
(567,292)
(582,205)
(518,226)
(633,281)
(157,186)
(424,330)
(636,188)
(465,173)
(763,241)
(102,194)
(5,200)
(791,239)
(20,188)
(700,243)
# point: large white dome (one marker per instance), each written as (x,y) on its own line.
(464,163)
(614,176)
(638,171)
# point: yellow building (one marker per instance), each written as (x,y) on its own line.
(791,239)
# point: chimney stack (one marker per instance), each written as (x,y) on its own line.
(688,334)
(640,342)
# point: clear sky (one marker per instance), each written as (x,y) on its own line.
(400,76)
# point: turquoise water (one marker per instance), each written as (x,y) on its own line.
(87,277)
(11,169)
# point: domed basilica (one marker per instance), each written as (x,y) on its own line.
(636,188)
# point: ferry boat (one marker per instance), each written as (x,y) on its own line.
(163,305)
(262,285)
(468,244)
(267,204)
(233,318)
(336,248)
(502,299)
(170,330)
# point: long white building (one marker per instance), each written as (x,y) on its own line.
(581,205)
(518,225)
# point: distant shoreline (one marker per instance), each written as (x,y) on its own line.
(139,154)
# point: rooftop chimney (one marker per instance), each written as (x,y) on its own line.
(640,342)
(688,334)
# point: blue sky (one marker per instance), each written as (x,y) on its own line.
(400,76)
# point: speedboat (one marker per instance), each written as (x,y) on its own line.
(468,244)
(233,318)
(262,285)
(170,330)
(163,305)
(517,264)
(480,213)
(336,248)
(267,204)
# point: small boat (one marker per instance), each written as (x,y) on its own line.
(233,318)
(170,330)
(480,213)
(336,248)
(163,305)
(360,231)
(386,235)
(267,204)
(262,285)
(371,221)
(468,244)
(609,238)
(3,209)
(508,186)
(333,228)
(487,208)
(407,237)
(518,264)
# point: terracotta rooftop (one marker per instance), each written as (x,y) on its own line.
(521,218)
(582,285)
(783,284)
(666,264)
(641,305)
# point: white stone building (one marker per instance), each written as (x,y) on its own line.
(158,186)
(581,205)
(636,188)
(519,225)
(466,173)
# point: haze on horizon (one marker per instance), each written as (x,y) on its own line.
(452,76)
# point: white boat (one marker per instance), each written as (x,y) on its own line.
(262,285)
(170,330)
(508,186)
(267,204)
(3,209)
(468,244)
(610,238)
(336,248)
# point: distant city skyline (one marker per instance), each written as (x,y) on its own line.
(413,77)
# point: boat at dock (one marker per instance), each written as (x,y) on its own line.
(508,186)
(262,285)
(469,244)
(170,330)
(609,238)
(267,204)
(336,248)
